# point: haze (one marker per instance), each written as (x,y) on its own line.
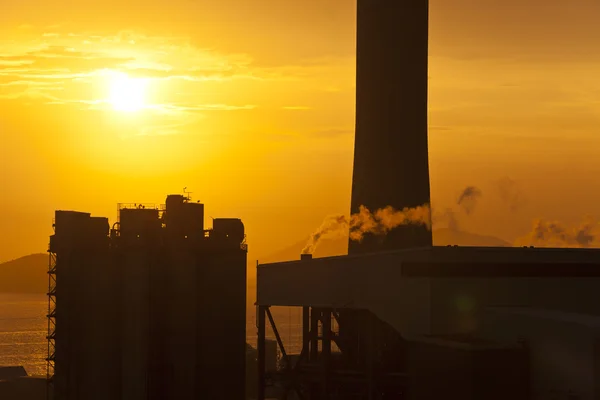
(251,106)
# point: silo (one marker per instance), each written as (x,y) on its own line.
(180,321)
(222,312)
(66,244)
(85,350)
(139,243)
(99,370)
(391,165)
(184,235)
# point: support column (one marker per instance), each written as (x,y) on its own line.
(261,352)
(305,330)
(314,334)
(326,354)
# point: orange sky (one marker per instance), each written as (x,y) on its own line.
(251,106)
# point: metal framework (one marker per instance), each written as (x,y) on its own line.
(334,363)
(51,316)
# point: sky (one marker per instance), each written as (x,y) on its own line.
(250,105)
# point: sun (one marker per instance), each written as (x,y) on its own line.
(126,93)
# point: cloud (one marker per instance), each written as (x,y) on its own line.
(169,108)
(72,70)
(332,132)
(440,128)
(296,108)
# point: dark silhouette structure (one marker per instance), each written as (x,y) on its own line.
(401,319)
(154,308)
(391,166)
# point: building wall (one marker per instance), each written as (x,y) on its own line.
(458,304)
(441,370)
(415,305)
(563,355)
(345,282)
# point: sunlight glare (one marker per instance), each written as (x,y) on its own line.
(126,93)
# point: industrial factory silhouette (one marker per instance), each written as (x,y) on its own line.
(398,318)
(155,306)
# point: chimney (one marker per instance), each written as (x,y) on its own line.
(391,164)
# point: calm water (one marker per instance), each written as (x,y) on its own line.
(23,330)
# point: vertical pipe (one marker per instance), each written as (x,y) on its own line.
(314,334)
(261,352)
(305,330)
(326,318)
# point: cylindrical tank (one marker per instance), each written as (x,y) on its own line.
(138,255)
(232,228)
(135,263)
(86,363)
(221,303)
(181,321)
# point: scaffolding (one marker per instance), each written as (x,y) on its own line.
(51,316)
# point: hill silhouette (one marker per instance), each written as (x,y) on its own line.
(447,236)
(27,274)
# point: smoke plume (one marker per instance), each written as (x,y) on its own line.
(468,199)
(510,193)
(379,222)
(554,234)
(448,218)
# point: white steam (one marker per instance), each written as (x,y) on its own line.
(554,234)
(357,225)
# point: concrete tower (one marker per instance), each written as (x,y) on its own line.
(391,165)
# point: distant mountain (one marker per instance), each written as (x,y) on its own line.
(446,236)
(25,275)
(339,246)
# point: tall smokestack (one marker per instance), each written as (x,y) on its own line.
(391,166)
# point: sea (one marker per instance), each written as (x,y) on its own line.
(23,330)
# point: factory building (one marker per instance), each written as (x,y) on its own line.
(153,308)
(398,318)
(483,323)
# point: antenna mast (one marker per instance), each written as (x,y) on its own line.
(185,192)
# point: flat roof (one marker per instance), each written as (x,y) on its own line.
(457,261)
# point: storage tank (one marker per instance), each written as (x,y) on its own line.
(138,253)
(221,287)
(83,278)
(184,219)
(232,228)
(181,321)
